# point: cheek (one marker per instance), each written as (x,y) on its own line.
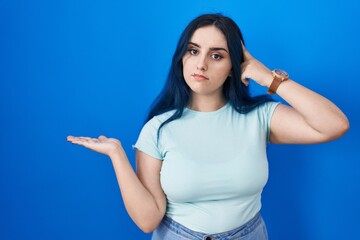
(223,71)
(186,68)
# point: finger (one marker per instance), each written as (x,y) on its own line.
(85,141)
(244,79)
(77,140)
(86,138)
(102,138)
(89,145)
(246,53)
(69,137)
(72,138)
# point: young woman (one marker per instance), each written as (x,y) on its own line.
(201,156)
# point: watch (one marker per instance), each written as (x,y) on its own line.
(279,76)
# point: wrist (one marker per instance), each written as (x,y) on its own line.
(268,80)
(117,152)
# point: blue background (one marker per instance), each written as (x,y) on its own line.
(93,67)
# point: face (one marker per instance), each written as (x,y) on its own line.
(207,63)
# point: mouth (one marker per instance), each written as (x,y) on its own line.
(199,77)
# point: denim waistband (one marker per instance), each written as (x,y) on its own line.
(236,233)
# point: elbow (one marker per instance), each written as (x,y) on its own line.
(344,127)
(148,219)
(148,224)
(148,227)
(339,130)
(148,230)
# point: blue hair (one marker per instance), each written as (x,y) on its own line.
(176,93)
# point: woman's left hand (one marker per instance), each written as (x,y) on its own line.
(251,68)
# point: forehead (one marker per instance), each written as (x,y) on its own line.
(209,36)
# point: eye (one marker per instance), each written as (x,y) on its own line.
(193,51)
(216,56)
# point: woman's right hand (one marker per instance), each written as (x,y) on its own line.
(102,144)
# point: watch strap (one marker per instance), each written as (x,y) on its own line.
(274,85)
(278,79)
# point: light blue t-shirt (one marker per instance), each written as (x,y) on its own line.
(214,165)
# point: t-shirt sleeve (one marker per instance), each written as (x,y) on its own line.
(148,141)
(266,112)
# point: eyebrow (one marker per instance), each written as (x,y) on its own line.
(213,49)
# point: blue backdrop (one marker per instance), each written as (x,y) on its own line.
(93,67)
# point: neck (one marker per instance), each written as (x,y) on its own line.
(206,104)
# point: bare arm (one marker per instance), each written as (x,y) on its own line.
(311,118)
(142,194)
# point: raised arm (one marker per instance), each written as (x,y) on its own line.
(142,194)
(311,118)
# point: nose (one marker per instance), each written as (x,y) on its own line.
(202,65)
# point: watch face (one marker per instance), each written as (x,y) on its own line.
(281,73)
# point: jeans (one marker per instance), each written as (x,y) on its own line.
(168,229)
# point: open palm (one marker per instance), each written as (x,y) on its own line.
(101,144)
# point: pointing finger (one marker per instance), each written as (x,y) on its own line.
(246,53)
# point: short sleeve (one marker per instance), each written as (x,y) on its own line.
(147,141)
(266,111)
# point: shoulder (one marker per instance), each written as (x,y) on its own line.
(265,111)
(259,118)
(159,119)
(267,107)
(262,109)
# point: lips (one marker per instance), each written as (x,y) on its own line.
(199,77)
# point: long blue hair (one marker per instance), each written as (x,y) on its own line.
(176,93)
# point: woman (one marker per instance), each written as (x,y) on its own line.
(201,156)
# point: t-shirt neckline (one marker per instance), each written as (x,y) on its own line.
(223,108)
